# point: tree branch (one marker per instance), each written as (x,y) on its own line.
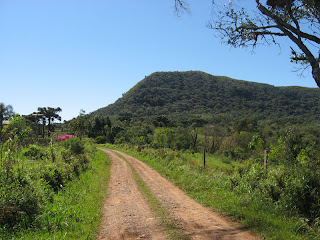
(278,20)
(181,5)
(309,56)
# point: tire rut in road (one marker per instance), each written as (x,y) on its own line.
(126,214)
(197,221)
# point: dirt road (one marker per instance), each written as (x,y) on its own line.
(128,216)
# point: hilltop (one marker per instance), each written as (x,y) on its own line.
(194,92)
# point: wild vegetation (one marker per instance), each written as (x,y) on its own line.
(49,189)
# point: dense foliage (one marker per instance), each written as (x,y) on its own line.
(182,93)
(34,179)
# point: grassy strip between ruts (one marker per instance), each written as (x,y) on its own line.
(172,230)
(75,212)
(208,188)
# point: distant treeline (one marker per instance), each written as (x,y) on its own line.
(194,93)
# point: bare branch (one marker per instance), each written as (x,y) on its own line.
(296,39)
(181,6)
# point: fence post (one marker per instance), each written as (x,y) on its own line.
(204,158)
(265,161)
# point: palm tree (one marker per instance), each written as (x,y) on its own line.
(6,111)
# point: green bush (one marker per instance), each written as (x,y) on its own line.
(101,139)
(33,151)
(74,144)
(22,196)
(301,194)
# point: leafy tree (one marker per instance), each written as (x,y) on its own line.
(18,128)
(116,130)
(34,120)
(298,20)
(161,121)
(293,143)
(182,138)
(194,136)
(49,114)
(163,137)
(216,133)
(138,135)
(245,124)
(97,127)
(80,125)
(13,134)
(6,111)
(108,134)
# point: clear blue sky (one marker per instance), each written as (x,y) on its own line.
(84,54)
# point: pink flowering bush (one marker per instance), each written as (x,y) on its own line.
(64,137)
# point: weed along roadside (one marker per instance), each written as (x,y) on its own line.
(52,190)
(180,216)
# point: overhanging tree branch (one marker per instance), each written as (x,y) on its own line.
(299,20)
(296,19)
(294,30)
(289,31)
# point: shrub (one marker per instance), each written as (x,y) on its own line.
(101,139)
(302,194)
(74,144)
(64,137)
(120,140)
(33,151)
(55,177)
(21,199)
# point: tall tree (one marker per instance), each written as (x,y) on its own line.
(80,125)
(298,20)
(98,124)
(50,114)
(35,120)
(6,111)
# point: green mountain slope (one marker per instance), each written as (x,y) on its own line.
(193,92)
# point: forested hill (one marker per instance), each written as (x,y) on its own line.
(193,92)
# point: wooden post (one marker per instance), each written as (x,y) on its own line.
(265,161)
(204,158)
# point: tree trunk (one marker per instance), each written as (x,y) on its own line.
(49,126)
(316,72)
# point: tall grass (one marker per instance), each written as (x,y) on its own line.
(72,212)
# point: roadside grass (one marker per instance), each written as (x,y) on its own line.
(172,230)
(75,212)
(212,162)
(212,187)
